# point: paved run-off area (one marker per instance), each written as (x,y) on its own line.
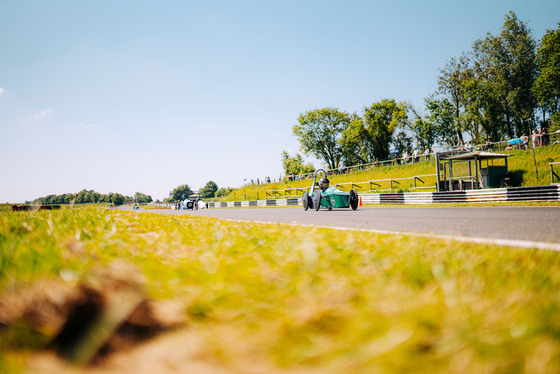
(517,226)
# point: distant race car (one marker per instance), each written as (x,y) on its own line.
(189,204)
(322,195)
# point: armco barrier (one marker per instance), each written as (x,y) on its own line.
(510,194)
(256,203)
(544,193)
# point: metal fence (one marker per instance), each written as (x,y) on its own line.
(418,182)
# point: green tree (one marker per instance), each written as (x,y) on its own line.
(178,192)
(476,105)
(116,198)
(402,142)
(547,83)
(88,197)
(142,198)
(555,122)
(380,121)
(423,129)
(209,190)
(440,115)
(319,132)
(513,71)
(355,149)
(295,165)
(223,191)
(81,197)
(368,138)
(451,87)
(483,115)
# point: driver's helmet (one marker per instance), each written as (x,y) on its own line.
(324,184)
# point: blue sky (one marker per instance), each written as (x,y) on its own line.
(126,96)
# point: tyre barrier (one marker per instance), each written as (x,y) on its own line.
(510,194)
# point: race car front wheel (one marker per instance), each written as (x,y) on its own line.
(317,199)
(353,199)
(305,200)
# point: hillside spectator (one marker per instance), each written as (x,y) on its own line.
(405,156)
(525,141)
(535,139)
(489,144)
(545,137)
(427,153)
(415,155)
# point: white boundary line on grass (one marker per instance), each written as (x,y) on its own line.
(501,242)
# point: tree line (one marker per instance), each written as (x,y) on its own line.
(91,197)
(210,190)
(504,87)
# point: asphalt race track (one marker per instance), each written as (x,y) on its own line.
(517,226)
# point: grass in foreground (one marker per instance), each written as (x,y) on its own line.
(281,298)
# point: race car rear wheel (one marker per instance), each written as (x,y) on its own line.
(317,199)
(305,200)
(353,199)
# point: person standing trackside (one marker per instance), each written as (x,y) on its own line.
(525,140)
(535,139)
(415,156)
(427,153)
(489,145)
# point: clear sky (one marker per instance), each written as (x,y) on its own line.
(143,96)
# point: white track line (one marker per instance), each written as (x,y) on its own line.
(501,242)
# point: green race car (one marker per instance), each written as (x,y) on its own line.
(322,195)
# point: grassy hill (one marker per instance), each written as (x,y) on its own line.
(521,166)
